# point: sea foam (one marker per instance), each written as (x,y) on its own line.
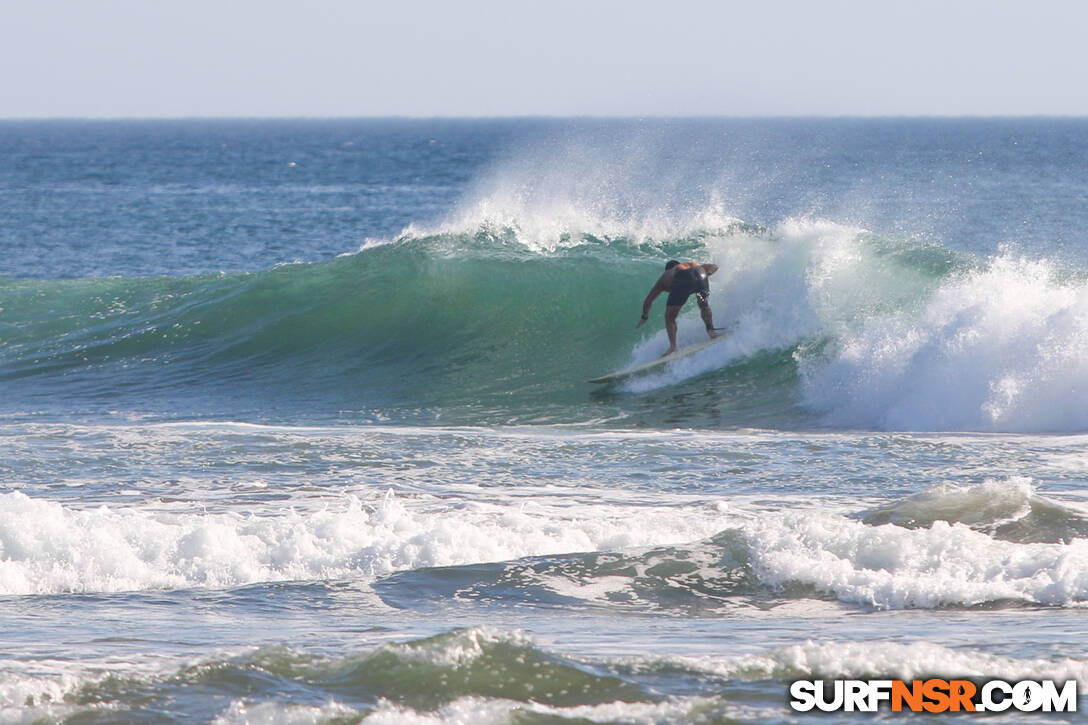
(49,548)
(46,547)
(891,567)
(1004,348)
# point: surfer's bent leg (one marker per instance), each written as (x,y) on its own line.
(671,311)
(708,316)
(683,284)
(702,293)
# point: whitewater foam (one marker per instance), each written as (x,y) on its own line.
(997,541)
(242,712)
(1004,348)
(890,567)
(844,660)
(501,712)
(567,192)
(45,690)
(48,548)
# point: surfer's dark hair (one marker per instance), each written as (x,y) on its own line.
(671,263)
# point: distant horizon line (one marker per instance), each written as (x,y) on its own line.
(554,117)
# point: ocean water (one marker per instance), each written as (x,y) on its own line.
(294,425)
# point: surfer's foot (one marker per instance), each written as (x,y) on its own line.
(712,334)
(670,351)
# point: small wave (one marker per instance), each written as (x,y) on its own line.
(486,675)
(644,560)
(907,554)
(431,672)
(492,670)
(1006,509)
(692,578)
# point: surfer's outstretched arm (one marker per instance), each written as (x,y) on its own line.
(657,289)
(709,268)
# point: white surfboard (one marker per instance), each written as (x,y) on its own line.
(658,364)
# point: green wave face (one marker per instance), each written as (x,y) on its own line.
(467,327)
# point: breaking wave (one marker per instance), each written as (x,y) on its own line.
(499,317)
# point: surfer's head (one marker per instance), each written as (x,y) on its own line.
(670,264)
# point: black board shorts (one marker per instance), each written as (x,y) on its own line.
(685,282)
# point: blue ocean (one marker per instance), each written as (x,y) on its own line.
(295,427)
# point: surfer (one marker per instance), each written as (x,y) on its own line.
(680,280)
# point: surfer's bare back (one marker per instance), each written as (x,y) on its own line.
(680,280)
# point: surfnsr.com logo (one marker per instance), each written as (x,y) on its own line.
(933,695)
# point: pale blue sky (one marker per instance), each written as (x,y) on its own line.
(148,58)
